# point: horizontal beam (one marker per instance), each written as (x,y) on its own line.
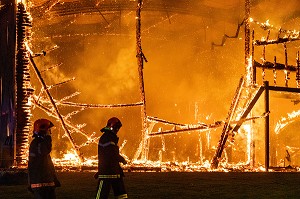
(278,41)
(275,66)
(284,89)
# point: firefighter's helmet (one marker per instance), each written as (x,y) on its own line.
(114,122)
(41,126)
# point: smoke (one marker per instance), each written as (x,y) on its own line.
(109,72)
(279,12)
(182,69)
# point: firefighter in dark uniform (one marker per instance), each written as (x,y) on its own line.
(41,173)
(110,173)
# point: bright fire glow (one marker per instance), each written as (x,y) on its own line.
(249,69)
(71,159)
(285,121)
(247,128)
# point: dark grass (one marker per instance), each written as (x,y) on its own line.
(170,185)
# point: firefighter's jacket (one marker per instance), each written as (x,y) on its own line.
(108,156)
(41,170)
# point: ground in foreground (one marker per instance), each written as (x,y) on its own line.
(170,185)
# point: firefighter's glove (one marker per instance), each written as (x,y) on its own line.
(122,159)
(56,182)
(96,175)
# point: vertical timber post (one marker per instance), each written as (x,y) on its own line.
(140,61)
(267,126)
(247,38)
(254,67)
(252,141)
(23,87)
(250,72)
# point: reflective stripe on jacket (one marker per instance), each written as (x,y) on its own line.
(109,176)
(38,185)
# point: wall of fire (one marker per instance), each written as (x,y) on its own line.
(71,48)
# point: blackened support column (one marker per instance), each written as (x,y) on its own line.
(267,126)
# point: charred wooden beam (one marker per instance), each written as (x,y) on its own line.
(277,41)
(276,66)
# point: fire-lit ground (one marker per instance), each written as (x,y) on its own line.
(148,185)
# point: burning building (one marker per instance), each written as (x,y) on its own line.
(171,70)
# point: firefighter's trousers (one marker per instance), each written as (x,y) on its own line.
(117,185)
(44,193)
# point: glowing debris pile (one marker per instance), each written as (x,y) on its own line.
(70,163)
